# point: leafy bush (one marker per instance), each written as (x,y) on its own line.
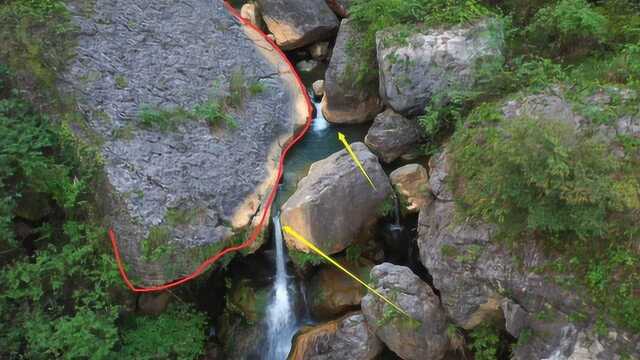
(485,342)
(530,176)
(177,333)
(567,26)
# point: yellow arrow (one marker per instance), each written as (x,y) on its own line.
(355,158)
(306,242)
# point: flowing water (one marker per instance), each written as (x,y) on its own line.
(281,318)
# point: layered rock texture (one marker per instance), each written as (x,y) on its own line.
(345,338)
(175,192)
(392,135)
(347,101)
(296,23)
(334,204)
(433,62)
(423,336)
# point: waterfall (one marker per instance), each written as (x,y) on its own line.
(397,209)
(281,317)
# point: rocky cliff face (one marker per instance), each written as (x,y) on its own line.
(481,280)
(176,193)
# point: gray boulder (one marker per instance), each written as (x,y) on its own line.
(421,337)
(345,100)
(334,205)
(392,135)
(345,338)
(297,23)
(434,61)
(175,197)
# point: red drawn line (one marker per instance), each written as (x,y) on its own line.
(258,229)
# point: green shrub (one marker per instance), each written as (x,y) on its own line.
(178,333)
(566,27)
(212,112)
(530,176)
(485,342)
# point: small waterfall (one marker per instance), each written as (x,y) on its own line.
(396,226)
(281,317)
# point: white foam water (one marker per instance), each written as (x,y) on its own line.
(281,318)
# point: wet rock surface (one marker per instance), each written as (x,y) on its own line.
(345,338)
(433,62)
(421,337)
(392,135)
(133,53)
(334,204)
(296,23)
(346,101)
(330,293)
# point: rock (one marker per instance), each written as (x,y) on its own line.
(247,300)
(250,12)
(330,293)
(178,195)
(542,107)
(345,338)
(320,50)
(412,182)
(318,88)
(481,280)
(392,135)
(424,336)
(296,23)
(307,65)
(153,304)
(241,341)
(438,171)
(340,7)
(345,100)
(334,205)
(433,62)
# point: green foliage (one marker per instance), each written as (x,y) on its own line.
(213,113)
(178,333)
(485,342)
(540,176)
(36,38)
(567,26)
(303,259)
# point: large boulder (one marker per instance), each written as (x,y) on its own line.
(434,61)
(423,336)
(297,23)
(345,338)
(392,135)
(334,205)
(331,293)
(345,100)
(177,190)
(412,182)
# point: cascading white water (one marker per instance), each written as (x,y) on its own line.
(281,317)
